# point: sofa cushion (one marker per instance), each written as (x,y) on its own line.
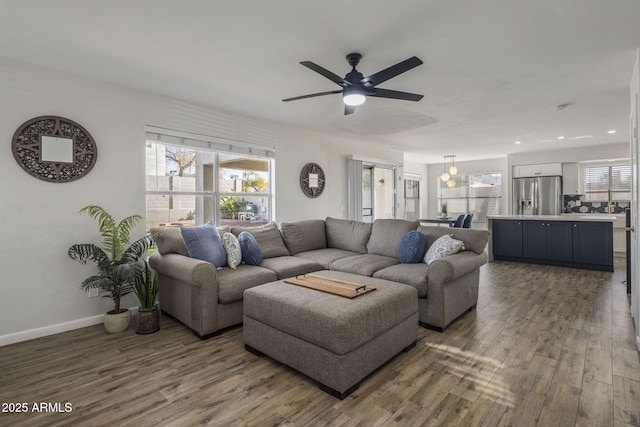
(268,237)
(290,266)
(474,240)
(203,242)
(170,240)
(364,265)
(302,236)
(327,256)
(347,235)
(411,248)
(232,248)
(233,283)
(410,274)
(442,247)
(386,235)
(251,253)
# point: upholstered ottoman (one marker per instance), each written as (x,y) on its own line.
(334,340)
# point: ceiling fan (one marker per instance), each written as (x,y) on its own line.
(356,87)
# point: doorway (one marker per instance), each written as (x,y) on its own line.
(378,192)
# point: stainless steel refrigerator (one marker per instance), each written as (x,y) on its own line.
(541,195)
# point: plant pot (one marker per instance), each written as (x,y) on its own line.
(115,323)
(148,320)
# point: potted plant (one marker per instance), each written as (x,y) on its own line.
(117,264)
(443,211)
(145,286)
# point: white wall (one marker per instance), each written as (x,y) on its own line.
(39,220)
(593,152)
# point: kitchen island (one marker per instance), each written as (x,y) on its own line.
(579,241)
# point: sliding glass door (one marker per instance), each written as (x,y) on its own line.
(378,193)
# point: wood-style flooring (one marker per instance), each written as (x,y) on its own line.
(547,346)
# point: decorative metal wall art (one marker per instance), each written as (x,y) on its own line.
(54,149)
(312,180)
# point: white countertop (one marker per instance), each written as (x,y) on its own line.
(563,217)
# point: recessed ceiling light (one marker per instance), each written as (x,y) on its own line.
(612,131)
(561,137)
(518,142)
(562,107)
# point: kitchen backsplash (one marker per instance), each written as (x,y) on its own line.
(591,207)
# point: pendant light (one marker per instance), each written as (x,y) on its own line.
(453,170)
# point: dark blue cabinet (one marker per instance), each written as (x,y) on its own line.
(593,243)
(507,238)
(581,244)
(534,239)
(548,240)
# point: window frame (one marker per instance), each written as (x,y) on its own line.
(467,198)
(609,192)
(217,147)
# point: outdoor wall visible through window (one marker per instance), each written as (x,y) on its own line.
(189,186)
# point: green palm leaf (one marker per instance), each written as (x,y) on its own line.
(119,269)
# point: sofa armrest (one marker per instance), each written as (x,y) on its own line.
(188,291)
(453,266)
(192,271)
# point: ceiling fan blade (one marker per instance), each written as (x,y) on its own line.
(394,94)
(311,95)
(394,70)
(326,73)
(349,109)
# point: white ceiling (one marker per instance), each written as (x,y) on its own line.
(493,70)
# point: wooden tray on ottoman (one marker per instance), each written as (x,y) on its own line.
(329,285)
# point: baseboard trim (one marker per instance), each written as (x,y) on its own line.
(53,329)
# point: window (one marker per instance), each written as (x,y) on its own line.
(607,182)
(193,181)
(411,198)
(479,194)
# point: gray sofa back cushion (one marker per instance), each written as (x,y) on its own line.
(347,235)
(268,237)
(386,235)
(303,236)
(474,240)
(170,240)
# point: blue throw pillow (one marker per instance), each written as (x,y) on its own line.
(251,252)
(204,242)
(411,248)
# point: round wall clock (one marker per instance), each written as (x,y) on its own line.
(312,180)
(54,149)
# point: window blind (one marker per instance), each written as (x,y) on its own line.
(204,142)
(607,182)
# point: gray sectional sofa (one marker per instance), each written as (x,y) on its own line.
(208,300)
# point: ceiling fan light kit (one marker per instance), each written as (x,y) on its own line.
(356,87)
(353,99)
